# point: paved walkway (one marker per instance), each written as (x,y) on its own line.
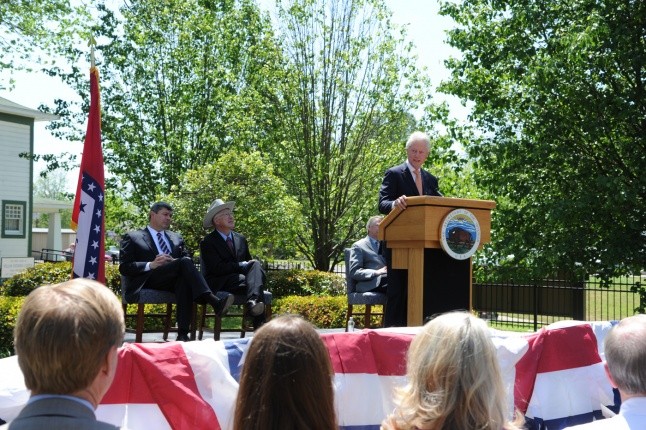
(159,337)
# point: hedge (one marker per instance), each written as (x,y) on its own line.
(317,296)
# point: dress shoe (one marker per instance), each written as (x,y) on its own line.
(182,337)
(220,306)
(255,307)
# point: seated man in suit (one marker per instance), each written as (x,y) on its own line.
(155,258)
(367,266)
(66,340)
(227,264)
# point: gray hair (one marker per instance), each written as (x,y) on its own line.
(372,220)
(626,355)
(419,136)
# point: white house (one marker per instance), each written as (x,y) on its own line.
(16,177)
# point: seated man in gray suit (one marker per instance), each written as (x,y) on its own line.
(367,266)
(66,339)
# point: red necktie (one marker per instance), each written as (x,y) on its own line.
(230,243)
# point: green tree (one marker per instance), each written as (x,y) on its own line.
(558,92)
(33,29)
(181,82)
(346,108)
(264,212)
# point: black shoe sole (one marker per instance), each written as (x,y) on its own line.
(225,303)
(257,309)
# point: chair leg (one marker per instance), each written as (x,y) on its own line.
(347,316)
(193,321)
(267,312)
(139,328)
(202,322)
(217,327)
(244,315)
(366,317)
(167,319)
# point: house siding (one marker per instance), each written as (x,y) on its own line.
(15,178)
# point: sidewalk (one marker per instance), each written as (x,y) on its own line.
(159,337)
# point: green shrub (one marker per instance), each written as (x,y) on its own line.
(52,273)
(9,307)
(299,282)
(322,311)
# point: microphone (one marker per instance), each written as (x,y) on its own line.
(437,192)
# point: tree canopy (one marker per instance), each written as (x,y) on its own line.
(559,100)
(264,212)
(32,30)
(347,109)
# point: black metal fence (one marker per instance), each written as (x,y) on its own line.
(532,304)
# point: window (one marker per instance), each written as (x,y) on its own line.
(13,219)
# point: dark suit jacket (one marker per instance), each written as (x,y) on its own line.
(138,248)
(57,414)
(399,181)
(218,262)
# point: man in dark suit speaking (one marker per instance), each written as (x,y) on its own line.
(155,258)
(407,179)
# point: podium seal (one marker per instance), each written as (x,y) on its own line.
(460,234)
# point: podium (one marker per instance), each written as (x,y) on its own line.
(437,282)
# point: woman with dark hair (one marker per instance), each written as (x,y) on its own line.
(287,379)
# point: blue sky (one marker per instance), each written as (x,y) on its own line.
(425,28)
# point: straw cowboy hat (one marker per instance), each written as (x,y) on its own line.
(216,207)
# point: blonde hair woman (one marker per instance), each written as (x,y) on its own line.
(454,380)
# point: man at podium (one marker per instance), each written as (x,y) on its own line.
(406,179)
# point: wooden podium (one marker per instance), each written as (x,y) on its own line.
(437,282)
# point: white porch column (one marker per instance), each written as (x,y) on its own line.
(54,238)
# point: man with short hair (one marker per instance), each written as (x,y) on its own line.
(66,340)
(625,351)
(407,179)
(227,263)
(156,258)
(367,266)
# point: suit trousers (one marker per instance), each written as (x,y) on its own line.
(182,278)
(250,282)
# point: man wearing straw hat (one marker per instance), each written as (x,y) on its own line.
(227,264)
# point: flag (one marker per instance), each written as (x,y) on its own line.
(554,376)
(88,215)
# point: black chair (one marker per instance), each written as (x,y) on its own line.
(367,299)
(239,300)
(149,296)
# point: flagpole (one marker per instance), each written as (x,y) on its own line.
(88,215)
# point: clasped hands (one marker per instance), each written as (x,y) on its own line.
(160,260)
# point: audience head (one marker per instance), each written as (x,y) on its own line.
(373,225)
(625,351)
(66,339)
(454,380)
(418,146)
(287,379)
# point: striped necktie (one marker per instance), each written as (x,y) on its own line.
(162,243)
